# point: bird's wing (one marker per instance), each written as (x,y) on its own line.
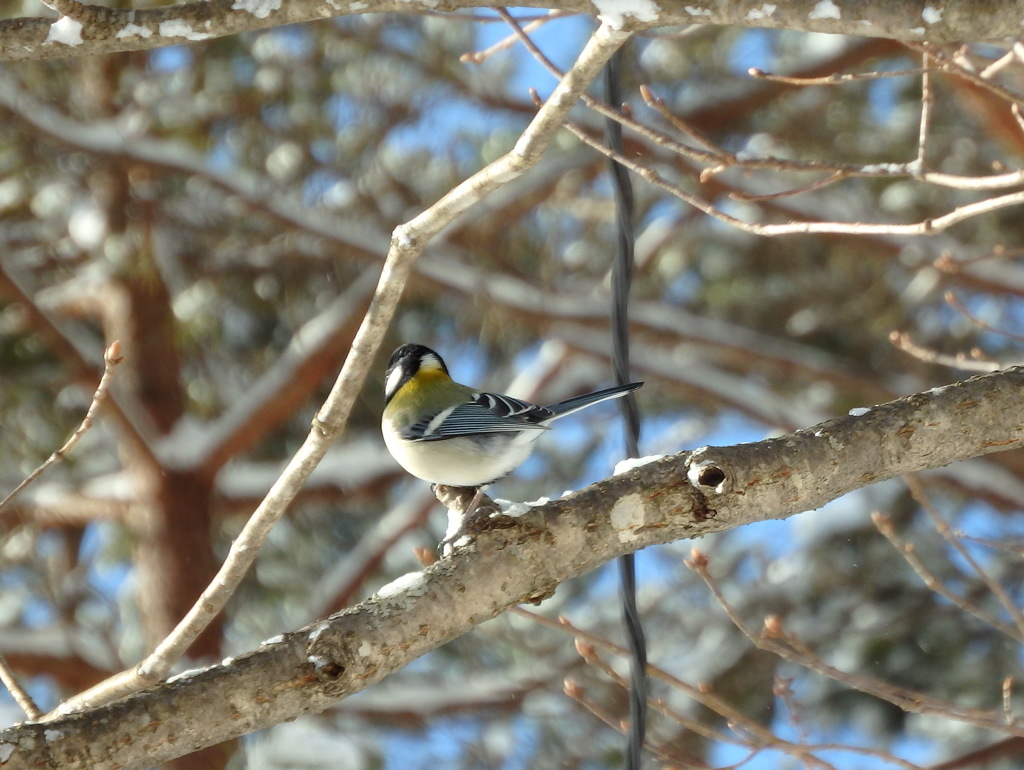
(506,406)
(485,413)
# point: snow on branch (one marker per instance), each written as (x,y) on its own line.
(88,29)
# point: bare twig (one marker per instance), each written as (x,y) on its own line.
(773,638)
(751,734)
(476,57)
(925,227)
(954,302)
(783,690)
(723,160)
(574,691)
(999,64)
(19,693)
(657,104)
(587,650)
(927,104)
(918,493)
(1016,112)
(836,176)
(1008,698)
(1016,547)
(972,363)
(833,80)
(111,358)
(522,34)
(956,66)
(884,525)
(947,263)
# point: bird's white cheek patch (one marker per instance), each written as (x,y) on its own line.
(627,516)
(393,379)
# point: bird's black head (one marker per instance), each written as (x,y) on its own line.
(406,362)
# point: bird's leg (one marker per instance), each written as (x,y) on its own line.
(474,504)
(473,513)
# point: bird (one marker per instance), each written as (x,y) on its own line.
(447,433)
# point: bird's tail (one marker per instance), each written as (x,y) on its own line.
(562,408)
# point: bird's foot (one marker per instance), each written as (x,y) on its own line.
(469,510)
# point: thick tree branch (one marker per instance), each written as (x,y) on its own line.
(523,559)
(93,29)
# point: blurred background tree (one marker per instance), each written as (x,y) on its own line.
(223,208)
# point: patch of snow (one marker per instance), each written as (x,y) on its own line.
(188,674)
(402,238)
(449,546)
(513,510)
(825,9)
(53,735)
(625,466)
(411,583)
(317,661)
(764,12)
(318,629)
(454,524)
(884,168)
(65,30)
(859,411)
(261,9)
(179,28)
(694,10)
(931,15)
(133,30)
(615,12)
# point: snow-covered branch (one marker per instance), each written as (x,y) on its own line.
(89,29)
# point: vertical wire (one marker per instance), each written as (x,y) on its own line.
(622,278)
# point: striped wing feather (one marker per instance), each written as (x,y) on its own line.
(486,413)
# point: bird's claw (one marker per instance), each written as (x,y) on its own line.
(476,509)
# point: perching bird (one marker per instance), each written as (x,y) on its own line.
(451,434)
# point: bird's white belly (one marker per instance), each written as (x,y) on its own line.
(459,462)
